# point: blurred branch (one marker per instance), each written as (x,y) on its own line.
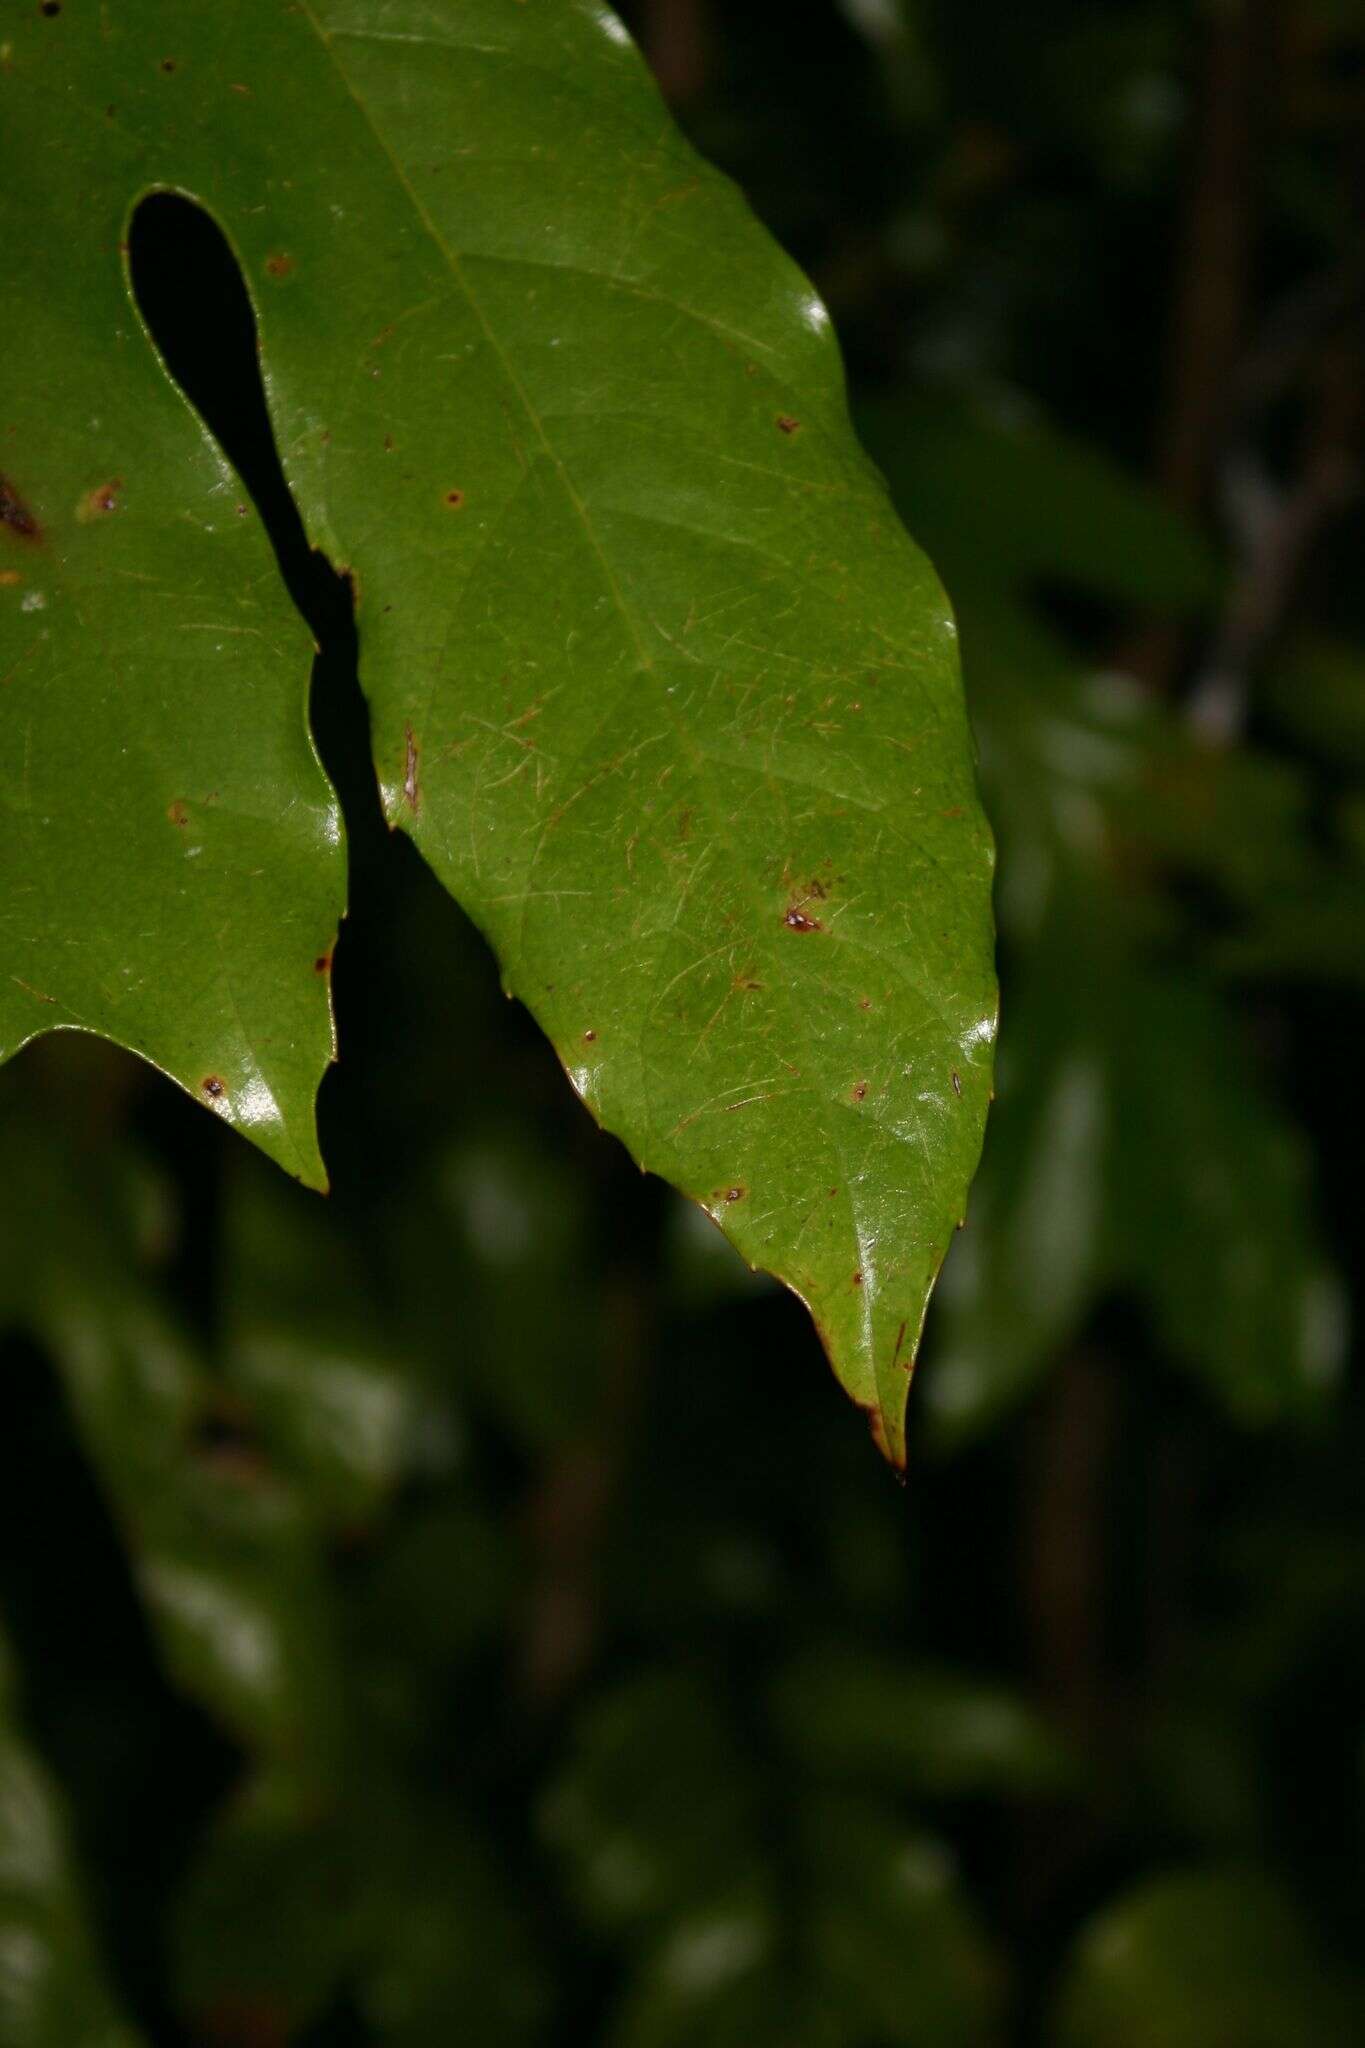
(1274,532)
(1220,391)
(1064,1562)
(1210,297)
(677,41)
(1211,293)
(568,1511)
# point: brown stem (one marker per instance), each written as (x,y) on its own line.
(1277,532)
(677,42)
(569,1507)
(1210,297)
(1064,1543)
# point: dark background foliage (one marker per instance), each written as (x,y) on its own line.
(466,1609)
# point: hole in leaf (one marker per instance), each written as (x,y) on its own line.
(192,296)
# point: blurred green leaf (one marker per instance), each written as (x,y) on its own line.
(1132,1147)
(879,1948)
(1005,501)
(895,1952)
(1198,1958)
(1134,1151)
(651,1814)
(53,1992)
(223,1549)
(1025,1271)
(912,1727)
(447,1946)
(1212,1208)
(1316,694)
(517,1228)
(305,1346)
(265,1920)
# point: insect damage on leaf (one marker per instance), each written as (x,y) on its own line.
(15,516)
(412,795)
(98,503)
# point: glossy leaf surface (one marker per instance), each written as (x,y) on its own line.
(170,853)
(657,683)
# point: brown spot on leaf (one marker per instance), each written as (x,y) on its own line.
(168,63)
(100,502)
(14,513)
(178,815)
(323,964)
(864,1002)
(786,424)
(957,1082)
(859,1090)
(50,8)
(857,1279)
(279,263)
(454,499)
(411,789)
(590,1037)
(8,578)
(797,921)
(735,1194)
(213,1087)
(896,1354)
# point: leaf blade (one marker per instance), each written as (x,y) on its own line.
(657,684)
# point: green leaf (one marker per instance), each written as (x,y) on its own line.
(263,1919)
(883,1952)
(657,683)
(1200,1957)
(1213,1212)
(753,1911)
(915,1727)
(333,1396)
(170,849)
(52,1988)
(997,490)
(224,1549)
(639,1843)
